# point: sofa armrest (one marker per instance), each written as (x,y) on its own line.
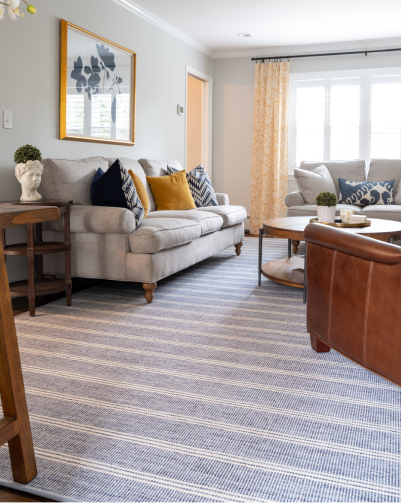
(98,219)
(294,199)
(222,199)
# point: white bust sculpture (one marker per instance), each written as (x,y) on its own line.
(29,175)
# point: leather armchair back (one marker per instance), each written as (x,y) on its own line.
(354,297)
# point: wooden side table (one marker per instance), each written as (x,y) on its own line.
(14,426)
(34,249)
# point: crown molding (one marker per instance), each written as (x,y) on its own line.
(159,23)
(293,50)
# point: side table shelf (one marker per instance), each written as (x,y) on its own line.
(34,250)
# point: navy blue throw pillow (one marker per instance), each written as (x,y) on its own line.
(116,188)
(366,193)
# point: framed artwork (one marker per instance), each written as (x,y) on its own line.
(97,88)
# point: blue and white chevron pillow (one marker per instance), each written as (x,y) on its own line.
(200,186)
(366,193)
(131,196)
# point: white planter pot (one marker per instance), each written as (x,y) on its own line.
(326,214)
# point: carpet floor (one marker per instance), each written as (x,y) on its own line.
(211,393)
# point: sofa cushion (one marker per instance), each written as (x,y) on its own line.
(158,168)
(97,219)
(387,169)
(390,212)
(351,170)
(70,180)
(171,192)
(310,210)
(366,193)
(231,214)
(115,188)
(209,222)
(156,234)
(200,186)
(135,167)
(312,183)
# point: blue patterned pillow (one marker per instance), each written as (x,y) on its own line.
(200,186)
(116,188)
(366,193)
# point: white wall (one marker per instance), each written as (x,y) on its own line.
(233,114)
(29,85)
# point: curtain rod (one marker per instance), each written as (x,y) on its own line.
(327,54)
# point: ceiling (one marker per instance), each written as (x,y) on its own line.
(214,24)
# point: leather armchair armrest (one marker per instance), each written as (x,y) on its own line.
(352,244)
(294,199)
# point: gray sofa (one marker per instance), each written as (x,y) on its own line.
(105,241)
(378,170)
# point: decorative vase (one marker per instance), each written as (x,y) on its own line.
(326,214)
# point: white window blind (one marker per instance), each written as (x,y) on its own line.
(345,116)
(123,116)
(101,115)
(75,114)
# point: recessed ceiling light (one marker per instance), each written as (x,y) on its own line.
(243,34)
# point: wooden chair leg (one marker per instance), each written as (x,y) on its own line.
(149,289)
(238,248)
(14,427)
(295,245)
(318,345)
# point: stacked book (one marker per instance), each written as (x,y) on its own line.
(357,219)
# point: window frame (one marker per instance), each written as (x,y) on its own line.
(365,75)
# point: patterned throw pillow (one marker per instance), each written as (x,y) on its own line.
(116,188)
(200,186)
(366,193)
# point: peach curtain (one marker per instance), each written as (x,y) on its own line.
(269,181)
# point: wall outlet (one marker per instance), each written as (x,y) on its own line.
(180,110)
(7,120)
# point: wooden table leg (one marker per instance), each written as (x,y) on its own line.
(14,428)
(67,240)
(30,253)
(39,258)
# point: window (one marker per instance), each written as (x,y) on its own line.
(75,114)
(345,115)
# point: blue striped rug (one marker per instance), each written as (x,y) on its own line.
(211,393)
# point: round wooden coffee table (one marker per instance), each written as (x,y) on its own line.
(292,228)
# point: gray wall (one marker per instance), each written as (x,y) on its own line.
(234,80)
(29,83)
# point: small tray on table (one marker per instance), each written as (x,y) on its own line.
(367,223)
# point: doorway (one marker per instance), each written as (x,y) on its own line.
(198,121)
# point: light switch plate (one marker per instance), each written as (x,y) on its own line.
(7,120)
(180,110)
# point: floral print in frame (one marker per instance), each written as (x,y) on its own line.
(97,101)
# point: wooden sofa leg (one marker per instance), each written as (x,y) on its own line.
(318,345)
(149,289)
(238,248)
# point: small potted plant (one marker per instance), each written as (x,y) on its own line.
(326,207)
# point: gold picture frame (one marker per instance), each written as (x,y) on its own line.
(93,73)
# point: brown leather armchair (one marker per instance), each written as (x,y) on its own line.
(354,298)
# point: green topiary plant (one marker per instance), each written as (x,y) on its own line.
(27,153)
(326,199)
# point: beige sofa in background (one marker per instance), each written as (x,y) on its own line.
(105,241)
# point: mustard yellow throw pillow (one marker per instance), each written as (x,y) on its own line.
(171,192)
(140,188)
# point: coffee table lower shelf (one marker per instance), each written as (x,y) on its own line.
(46,286)
(282,271)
